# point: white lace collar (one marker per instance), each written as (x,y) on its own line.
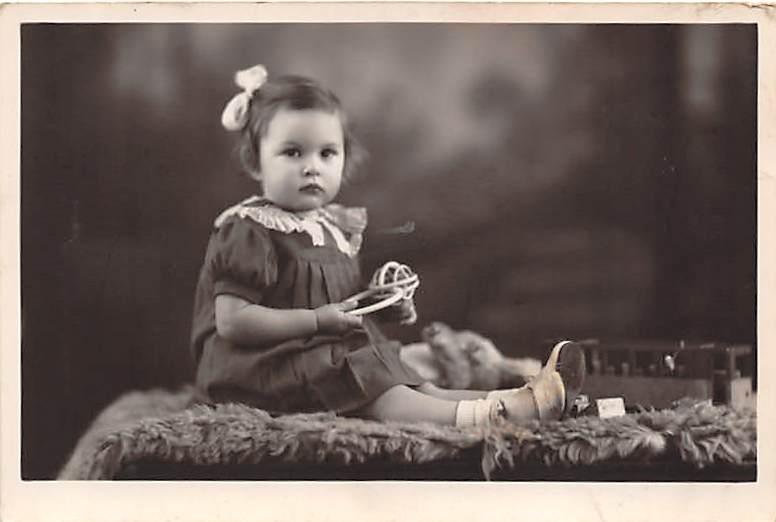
(338,220)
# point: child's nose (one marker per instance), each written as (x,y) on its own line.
(310,170)
(311,167)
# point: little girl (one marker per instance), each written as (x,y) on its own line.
(271,324)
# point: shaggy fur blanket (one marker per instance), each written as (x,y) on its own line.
(172,429)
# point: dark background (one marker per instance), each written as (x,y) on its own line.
(563,180)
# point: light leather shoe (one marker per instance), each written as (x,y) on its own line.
(560,380)
(552,391)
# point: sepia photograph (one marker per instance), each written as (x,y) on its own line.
(389,252)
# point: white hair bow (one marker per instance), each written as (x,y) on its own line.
(235,114)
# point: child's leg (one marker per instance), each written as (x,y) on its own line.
(404,404)
(451,395)
(520,403)
(545,397)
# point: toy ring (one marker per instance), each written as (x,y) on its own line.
(391,283)
(394,297)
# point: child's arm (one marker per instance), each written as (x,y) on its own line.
(243,322)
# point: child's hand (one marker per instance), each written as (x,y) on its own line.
(334,319)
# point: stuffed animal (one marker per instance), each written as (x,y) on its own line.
(465,360)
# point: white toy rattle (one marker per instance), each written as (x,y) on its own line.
(390,283)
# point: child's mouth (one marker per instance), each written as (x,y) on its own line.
(311,189)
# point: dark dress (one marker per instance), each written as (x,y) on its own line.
(284,269)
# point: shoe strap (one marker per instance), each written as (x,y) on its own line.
(545,395)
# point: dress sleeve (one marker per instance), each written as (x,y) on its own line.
(242,260)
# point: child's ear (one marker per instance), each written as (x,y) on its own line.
(255,175)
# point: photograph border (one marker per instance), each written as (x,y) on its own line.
(381,500)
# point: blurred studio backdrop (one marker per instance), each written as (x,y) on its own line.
(559,180)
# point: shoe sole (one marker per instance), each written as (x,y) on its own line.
(568,359)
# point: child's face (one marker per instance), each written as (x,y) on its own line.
(302,157)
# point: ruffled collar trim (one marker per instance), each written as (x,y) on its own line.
(345,224)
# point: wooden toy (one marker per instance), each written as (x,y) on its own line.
(656,374)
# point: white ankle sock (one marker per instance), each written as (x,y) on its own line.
(473,413)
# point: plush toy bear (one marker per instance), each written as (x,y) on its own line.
(465,360)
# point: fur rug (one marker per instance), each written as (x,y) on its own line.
(170,427)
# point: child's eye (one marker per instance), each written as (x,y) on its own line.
(292,152)
(328,153)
